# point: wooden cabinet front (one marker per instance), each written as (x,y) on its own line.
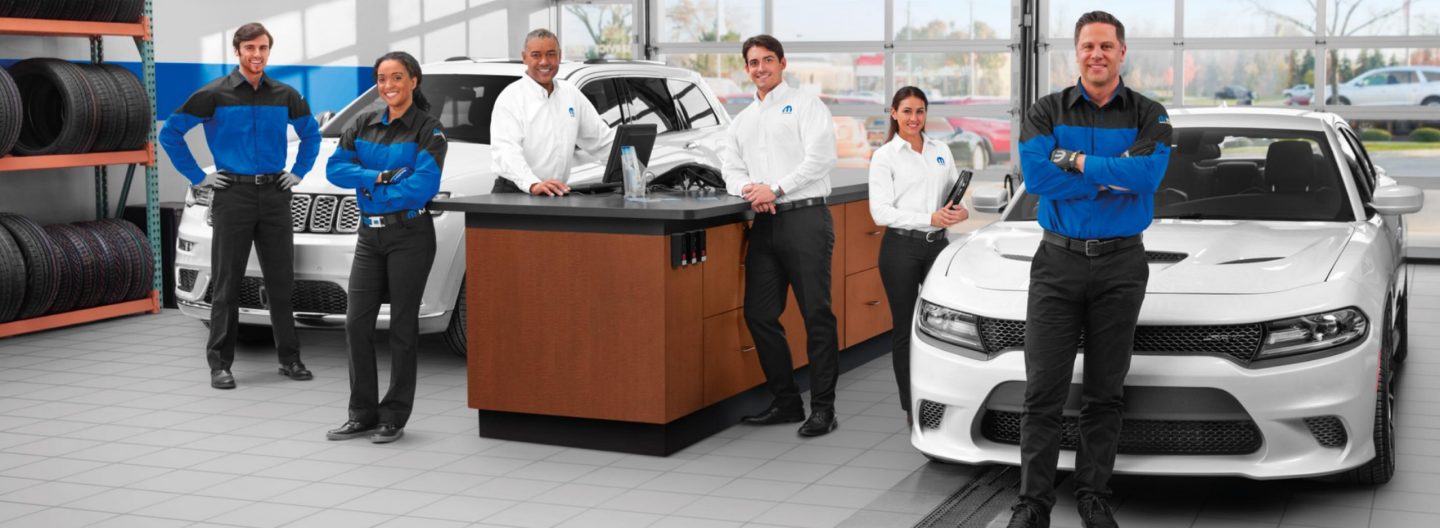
(862,238)
(731,363)
(866,308)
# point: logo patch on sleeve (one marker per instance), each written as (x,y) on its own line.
(1164,118)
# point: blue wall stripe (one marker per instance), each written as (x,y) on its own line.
(324,87)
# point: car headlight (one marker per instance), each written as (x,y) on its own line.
(951,326)
(198,196)
(1310,333)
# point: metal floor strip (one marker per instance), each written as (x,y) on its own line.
(978,502)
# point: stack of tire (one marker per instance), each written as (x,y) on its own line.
(65,267)
(71,108)
(90,10)
(9,112)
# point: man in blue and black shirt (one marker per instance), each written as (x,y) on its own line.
(245,116)
(1094,154)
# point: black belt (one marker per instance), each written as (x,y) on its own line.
(1091,248)
(928,236)
(257,179)
(798,204)
(390,219)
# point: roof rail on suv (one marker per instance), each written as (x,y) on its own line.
(622,61)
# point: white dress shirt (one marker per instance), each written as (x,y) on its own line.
(533,134)
(787,138)
(907,186)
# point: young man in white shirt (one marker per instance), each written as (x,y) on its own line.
(777,154)
(538,121)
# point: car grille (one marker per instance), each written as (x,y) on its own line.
(187,279)
(1327,430)
(931,414)
(319,213)
(309,297)
(1237,342)
(1143,437)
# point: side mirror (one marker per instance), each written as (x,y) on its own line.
(1398,200)
(991,201)
(325,117)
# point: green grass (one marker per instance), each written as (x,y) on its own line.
(1391,146)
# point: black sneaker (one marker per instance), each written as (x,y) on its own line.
(387,433)
(1095,512)
(1026,514)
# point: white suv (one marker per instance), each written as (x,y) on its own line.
(1395,85)
(462,92)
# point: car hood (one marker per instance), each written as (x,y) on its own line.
(1219,257)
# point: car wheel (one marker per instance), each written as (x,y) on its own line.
(455,333)
(1380,469)
(979,157)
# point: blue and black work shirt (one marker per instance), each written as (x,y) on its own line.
(1127,148)
(376,143)
(244,127)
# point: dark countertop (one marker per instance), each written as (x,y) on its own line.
(663,212)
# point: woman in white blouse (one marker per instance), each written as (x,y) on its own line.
(909,176)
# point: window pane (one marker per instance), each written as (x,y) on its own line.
(1147,72)
(724,72)
(1142,18)
(1383,18)
(1247,18)
(952,19)
(955,75)
(1245,77)
(1385,77)
(694,107)
(650,102)
(710,20)
(593,31)
(1401,148)
(839,78)
(602,95)
(975,142)
(829,20)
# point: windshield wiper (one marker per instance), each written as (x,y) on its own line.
(1202,216)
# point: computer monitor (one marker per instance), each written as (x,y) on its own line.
(642,137)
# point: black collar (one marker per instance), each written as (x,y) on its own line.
(408,119)
(1121,98)
(237,79)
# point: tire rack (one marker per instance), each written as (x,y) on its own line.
(141,32)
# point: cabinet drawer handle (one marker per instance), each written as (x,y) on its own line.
(876,233)
(747,349)
(872,303)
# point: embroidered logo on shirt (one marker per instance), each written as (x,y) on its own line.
(940,160)
(1164,118)
(787,110)
(572,111)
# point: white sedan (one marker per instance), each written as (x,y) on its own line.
(1269,335)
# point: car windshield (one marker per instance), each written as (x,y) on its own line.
(462,103)
(1243,174)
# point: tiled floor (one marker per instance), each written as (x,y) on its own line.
(114,424)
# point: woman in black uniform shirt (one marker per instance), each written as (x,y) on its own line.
(909,176)
(392,157)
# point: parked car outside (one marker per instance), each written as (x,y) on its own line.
(1241,94)
(462,92)
(967,148)
(1271,331)
(995,131)
(1394,85)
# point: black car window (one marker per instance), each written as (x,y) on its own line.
(1364,170)
(606,99)
(648,101)
(694,107)
(462,103)
(1242,174)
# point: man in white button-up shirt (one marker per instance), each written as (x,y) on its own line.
(777,154)
(538,121)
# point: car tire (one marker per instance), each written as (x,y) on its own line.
(46,85)
(10,116)
(12,277)
(84,288)
(455,334)
(42,268)
(110,121)
(1380,469)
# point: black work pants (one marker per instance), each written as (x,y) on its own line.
(793,249)
(244,214)
(394,259)
(1070,292)
(904,263)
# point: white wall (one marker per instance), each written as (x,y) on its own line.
(340,33)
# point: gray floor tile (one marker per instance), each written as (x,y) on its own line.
(61,518)
(531,515)
(391,501)
(121,500)
(461,508)
(610,519)
(1399,519)
(648,501)
(725,509)
(805,515)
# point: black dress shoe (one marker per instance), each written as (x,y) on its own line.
(775,415)
(387,433)
(221,379)
(351,429)
(820,423)
(1095,512)
(296,371)
(1026,514)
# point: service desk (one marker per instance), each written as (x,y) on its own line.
(582,332)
